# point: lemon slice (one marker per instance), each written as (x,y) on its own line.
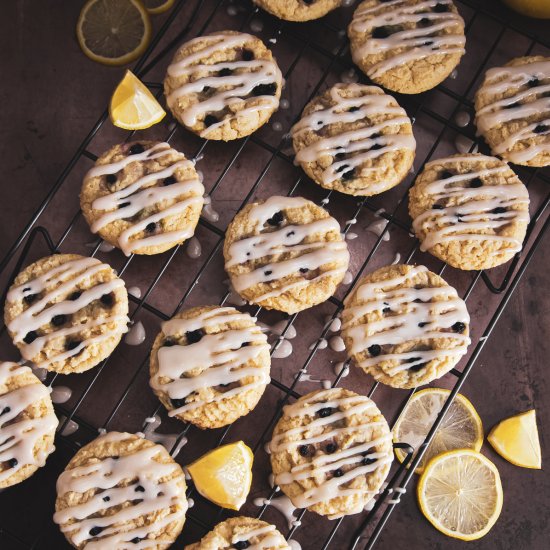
(461,427)
(113,32)
(154,7)
(460,494)
(224,475)
(517,440)
(133,106)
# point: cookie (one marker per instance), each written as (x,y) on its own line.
(223,86)
(285,253)
(27,424)
(119,491)
(210,365)
(142,197)
(355,139)
(513,110)
(470,211)
(405,326)
(408,46)
(331,452)
(240,533)
(66,313)
(298,10)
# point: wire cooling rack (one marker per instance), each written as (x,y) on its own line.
(115,394)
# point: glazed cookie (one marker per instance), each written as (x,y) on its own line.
(298,10)
(210,365)
(27,424)
(66,313)
(119,491)
(513,110)
(142,197)
(241,533)
(223,85)
(331,452)
(408,46)
(469,210)
(285,253)
(405,326)
(355,139)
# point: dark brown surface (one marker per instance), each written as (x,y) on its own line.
(51,95)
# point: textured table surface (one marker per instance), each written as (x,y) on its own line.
(51,95)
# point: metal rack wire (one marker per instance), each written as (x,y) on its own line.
(195,18)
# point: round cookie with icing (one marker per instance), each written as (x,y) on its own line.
(27,424)
(66,312)
(210,365)
(405,326)
(285,253)
(224,85)
(408,46)
(513,110)
(470,210)
(142,197)
(298,10)
(331,452)
(119,491)
(355,139)
(240,533)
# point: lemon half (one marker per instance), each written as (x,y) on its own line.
(460,494)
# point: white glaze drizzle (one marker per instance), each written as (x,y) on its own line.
(476,206)
(409,45)
(286,239)
(221,358)
(266,537)
(136,335)
(18,438)
(144,193)
(350,458)
(414,317)
(284,505)
(62,281)
(244,77)
(155,497)
(362,144)
(504,79)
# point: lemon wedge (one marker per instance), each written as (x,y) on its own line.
(461,427)
(113,32)
(460,494)
(224,475)
(133,106)
(517,440)
(154,7)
